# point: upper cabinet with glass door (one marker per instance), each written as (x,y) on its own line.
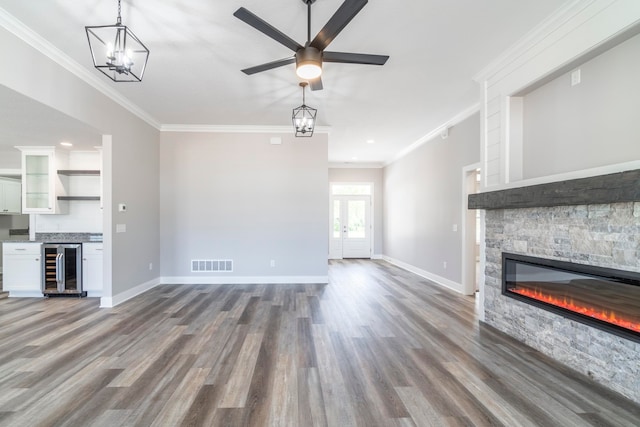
(40,181)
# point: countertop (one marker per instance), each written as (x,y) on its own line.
(57,238)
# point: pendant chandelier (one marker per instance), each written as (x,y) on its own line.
(304,118)
(117,52)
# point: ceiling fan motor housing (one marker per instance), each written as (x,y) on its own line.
(309,62)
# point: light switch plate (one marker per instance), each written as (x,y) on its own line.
(575,77)
(121,228)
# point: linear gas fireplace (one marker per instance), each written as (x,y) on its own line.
(604,298)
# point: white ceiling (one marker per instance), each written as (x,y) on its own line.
(198,49)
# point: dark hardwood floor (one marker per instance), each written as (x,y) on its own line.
(378,346)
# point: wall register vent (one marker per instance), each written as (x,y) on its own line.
(211,265)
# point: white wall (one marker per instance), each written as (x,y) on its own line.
(592,124)
(373,175)
(236,196)
(423,201)
(82,216)
(132,166)
(556,46)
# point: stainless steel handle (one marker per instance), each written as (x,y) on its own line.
(58,268)
(20,249)
(61,282)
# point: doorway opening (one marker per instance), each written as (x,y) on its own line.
(471,232)
(351,222)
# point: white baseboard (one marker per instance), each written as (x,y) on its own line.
(242,280)
(374,256)
(26,294)
(450,284)
(108,302)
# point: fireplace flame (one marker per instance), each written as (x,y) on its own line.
(605,315)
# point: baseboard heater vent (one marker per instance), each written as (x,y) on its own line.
(211,265)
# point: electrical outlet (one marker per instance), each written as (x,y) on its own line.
(455,227)
(150,266)
(444,264)
(273,263)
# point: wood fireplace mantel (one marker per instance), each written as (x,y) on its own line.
(612,188)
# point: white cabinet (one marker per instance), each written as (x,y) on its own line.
(41,184)
(92,269)
(21,269)
(10,194)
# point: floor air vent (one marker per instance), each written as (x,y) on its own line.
(211,265)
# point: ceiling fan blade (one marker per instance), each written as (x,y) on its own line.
(316,84)
(354,58)
(269,66)
(345,13)
(266,28)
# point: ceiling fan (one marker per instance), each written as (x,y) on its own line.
(309,58)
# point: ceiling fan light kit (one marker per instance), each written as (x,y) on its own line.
(304,117)
(117,52)
(309,63)
(309,58)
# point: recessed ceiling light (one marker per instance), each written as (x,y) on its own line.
(66,144)
(370,141)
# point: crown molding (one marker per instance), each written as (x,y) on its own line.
(565,13)
(235,129)
(35,40)
(438,131)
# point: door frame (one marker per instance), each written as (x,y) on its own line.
(372,213)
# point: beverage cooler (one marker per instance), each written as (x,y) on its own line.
(62,269)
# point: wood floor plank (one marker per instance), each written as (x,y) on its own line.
(284,408)
(377,346)
(422,413)
(181,400)
(239,382)
(132,373)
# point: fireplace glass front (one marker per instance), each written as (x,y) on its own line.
(601,297)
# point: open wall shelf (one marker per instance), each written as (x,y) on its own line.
(92,198)
(79,172)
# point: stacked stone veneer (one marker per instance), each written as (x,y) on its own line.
(602,235)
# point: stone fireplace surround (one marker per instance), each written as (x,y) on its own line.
(592,221)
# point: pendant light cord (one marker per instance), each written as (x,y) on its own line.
(119,10)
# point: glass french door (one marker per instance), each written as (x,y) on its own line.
(350,230)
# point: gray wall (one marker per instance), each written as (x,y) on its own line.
(236,196)
(366,175)
(595,123)
(135,151)
(423,199)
